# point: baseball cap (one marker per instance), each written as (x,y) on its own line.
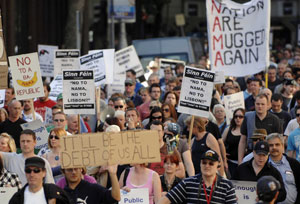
(259,133)
(261,147)
(174,128)
(210,155)
(290,82)
(266,188)
(129,81)
(35,162)
(59,97)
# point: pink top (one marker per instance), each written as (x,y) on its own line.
(62,182)
(148,184)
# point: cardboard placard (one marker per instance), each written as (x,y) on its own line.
(237,46)
(2,98)
(163,63)
(46,58)
(96,149)
(136,195)
(79,92)
(65,59)
(6,193)
(109,61)
(41,133)
(26,76)
(245,191)
(196,91)
(126,59)
(56,87)
(3,60)
(233,102)
(95,62)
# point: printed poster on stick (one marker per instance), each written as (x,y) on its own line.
(79,92)
(46,57)
(6,193)
(233,102)
(65,59)
(26,76)
(94,61)
(196,91)
(137,196)
(3,60)
(163,63)
(237,46)
(96,149)
(245,191)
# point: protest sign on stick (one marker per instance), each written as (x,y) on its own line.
(56,87)
(245,191)
(237,46)
(26,76)
(65,59)
(3,60)
(95,62)
(163,63)
(96,149)
(137,196)
(79,92)
(41,133)
(6,193)
(46,58)
(233,102)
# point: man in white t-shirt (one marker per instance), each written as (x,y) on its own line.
(27,113)
(35,191)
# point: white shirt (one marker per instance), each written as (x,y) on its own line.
(292,125)
(29,117)
(34,198)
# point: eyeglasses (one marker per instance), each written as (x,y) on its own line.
(121,106)
(128,84)
(53,137)
(239,116)
(166,110)
(205,162)
(59,120)
(72,169)
(257,139)
(35,170)
(297,114)
(156,118)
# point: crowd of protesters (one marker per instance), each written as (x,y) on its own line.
(261,140)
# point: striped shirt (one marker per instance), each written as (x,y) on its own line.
(187,192)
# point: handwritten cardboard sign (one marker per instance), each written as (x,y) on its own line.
(3,60)
(245,191)
(79,92)
(40,131)
(233,102)
(6,193)
(237,46)
(26,75)
(65,59)
(46,57)
(196,91)
(96,149)
(137,195)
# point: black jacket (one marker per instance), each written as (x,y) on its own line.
(245,172)
(295,166)
(50,190)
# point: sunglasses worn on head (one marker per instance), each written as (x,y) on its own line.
(59,120)
(35,170)
(156,118)
(116,107)
(53,137)
(239,116)
(210,163)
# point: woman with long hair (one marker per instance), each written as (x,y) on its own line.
(7,143)
(169,111)
(172,98)
(155,114)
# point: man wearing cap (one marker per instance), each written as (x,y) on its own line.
(130,94)
(36,191)
(132,74)
(206,187)
(258,166)
(287,166)
(267,189)
(258,135)
(260,118)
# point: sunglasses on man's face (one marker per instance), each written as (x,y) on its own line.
(128,84)
(35,170)
(156,118)
(116,107)
(297,114)
(59,120)
(205,162)
(257,139)
(53,137)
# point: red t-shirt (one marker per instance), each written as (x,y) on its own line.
(40,107)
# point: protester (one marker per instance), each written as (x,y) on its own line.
(120,104)
(42,102)
(132,119)
(220,115)
(169,111)
(172,98)
(205,187)
(3,115)
(120,115)
(155,114)
(72,124)
(255,85)
(28,114)
(267,189)
(8,179)
(130,93)
(153,79)
(36,191)
(7,143)
(284,116)
(9,96)
(289,88)
(132,75)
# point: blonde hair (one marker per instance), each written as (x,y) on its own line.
(5,113)
(59,132)
(11,142)
(199,122)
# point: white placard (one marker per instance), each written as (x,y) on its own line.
(46,58)
(6,193)
(245,191)
(233,102)
(115,88)
(137,196)
(219,77)
(126,59)
(109,60)
(79,92)
(94,61)
(2,98)
(65,59)
(196,91)
(237,45)
(56,87)
(26,76)
(48,116)
(163,63)
(41,133)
